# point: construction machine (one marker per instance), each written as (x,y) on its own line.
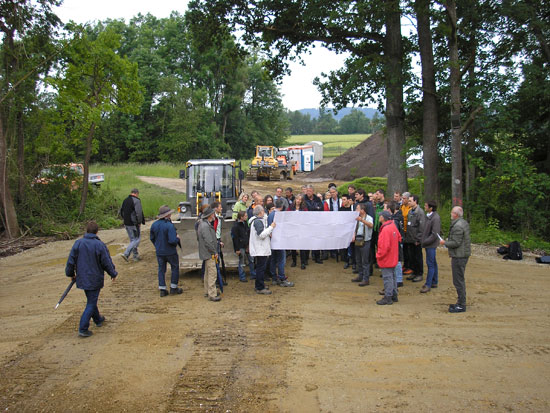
(269,164)
(206,181)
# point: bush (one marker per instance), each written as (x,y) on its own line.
(373,184)
(53,209)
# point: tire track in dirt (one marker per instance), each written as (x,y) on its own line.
(235,368)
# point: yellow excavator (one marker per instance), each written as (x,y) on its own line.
(269,165)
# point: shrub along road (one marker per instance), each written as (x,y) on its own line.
(323,345)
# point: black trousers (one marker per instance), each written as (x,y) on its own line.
(303,256)
(407,255)
(417,261)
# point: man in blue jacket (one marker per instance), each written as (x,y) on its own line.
(88,260)
(165,239)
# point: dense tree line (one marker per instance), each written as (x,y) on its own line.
(145,90)
(167,89)
(478,111)
(355,122)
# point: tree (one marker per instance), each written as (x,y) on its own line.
(430,106)
(371,33)
(26,27)
(93,81)
(355,122)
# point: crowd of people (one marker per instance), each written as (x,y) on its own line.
(390,234)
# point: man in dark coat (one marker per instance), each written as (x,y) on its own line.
(430,242)
(87,262)
(132,213)
(313,203)
(240,234)
(165,239)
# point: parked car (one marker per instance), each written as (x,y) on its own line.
(47,174)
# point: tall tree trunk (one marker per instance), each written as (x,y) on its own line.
(87,156)
(20,156)
(397,172)
(456,132)
(8,207)
(429,101)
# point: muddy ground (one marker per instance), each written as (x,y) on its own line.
(322,346)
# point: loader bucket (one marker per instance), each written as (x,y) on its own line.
(189,253)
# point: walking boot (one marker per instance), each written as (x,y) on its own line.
(303,266)
(394,298)
(424,289)
(387,300)
(163,293)
(417,279)
(293,264)
(176,290)
(364,283)
(346,265)
(356,280)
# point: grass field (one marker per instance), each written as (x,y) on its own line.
(121,178)
(333,145)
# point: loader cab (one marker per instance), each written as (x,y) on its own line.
(209,180)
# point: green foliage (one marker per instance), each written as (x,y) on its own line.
(373,184)
(513,192)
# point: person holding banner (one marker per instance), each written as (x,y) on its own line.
(387,256)
(299,205)
(314,203)
(362,239)
(260,246)
(88,260)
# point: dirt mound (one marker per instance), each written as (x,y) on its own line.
(369,158)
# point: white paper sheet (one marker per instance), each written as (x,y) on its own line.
(315,230)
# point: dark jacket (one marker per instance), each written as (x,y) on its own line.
(415,225)
(240,235)
(314,204)
(432,228)
(164,237)
(459,239)
(132,212)
(89,258)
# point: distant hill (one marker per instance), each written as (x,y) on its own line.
(314,113)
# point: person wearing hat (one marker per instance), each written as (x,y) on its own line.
(387,256)
(165,239)
(208,252)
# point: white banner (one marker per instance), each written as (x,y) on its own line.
(315,230)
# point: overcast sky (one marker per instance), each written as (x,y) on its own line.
(297,89)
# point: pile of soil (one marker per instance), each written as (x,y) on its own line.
(369,158)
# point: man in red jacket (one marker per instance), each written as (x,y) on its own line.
(387,256)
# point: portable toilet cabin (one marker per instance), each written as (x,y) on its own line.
(317,150)
(308,160)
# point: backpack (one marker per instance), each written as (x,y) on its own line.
(503,250)
(545,259)
(514,252)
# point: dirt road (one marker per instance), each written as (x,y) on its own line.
(323,345)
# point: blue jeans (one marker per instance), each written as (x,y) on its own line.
(174,265)
(432,277)
(242,257)
(398,272)
(278,261)
(134,234)
(91,310)
(261,262)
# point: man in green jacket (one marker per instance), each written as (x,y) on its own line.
(458,245)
